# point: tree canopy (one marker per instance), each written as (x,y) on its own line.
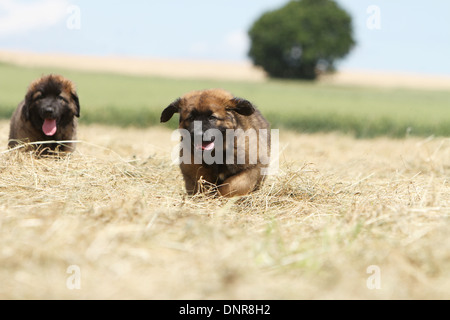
(301,39)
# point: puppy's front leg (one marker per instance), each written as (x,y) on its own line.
(241,184)
(192,173)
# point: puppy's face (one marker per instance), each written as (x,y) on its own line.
(51,102)
(201,111)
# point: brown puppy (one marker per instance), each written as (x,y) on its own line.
(48,113)
(225,142)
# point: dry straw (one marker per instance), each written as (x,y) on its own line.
(117,209)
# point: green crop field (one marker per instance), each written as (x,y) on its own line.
(304,107)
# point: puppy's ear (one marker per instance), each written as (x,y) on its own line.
(76,100)
(242,106)
(26,105)
(168,112)
(25,111)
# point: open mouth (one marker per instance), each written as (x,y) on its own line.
(205,145)
(49,127)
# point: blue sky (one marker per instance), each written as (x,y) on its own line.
(400,35)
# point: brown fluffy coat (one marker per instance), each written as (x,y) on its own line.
(59,97)
(226,112)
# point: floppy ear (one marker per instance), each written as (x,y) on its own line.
(25,111)
(77,104)
(242,106)
(26,106)
(168,112)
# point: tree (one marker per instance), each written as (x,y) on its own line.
(301,39)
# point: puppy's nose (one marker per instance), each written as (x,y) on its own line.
(48,112)
(210,135)
(198,130)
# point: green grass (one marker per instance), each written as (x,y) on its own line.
(138,101)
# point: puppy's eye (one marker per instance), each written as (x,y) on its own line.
(61,98)
(212,118)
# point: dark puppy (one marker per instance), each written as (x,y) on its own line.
(48,113)
(225,142)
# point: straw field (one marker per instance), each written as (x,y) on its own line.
(345,217)
(116,211)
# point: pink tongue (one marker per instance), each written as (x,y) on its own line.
(208,146)
(49,127)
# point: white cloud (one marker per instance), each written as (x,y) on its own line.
(237,42)
(18,17)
